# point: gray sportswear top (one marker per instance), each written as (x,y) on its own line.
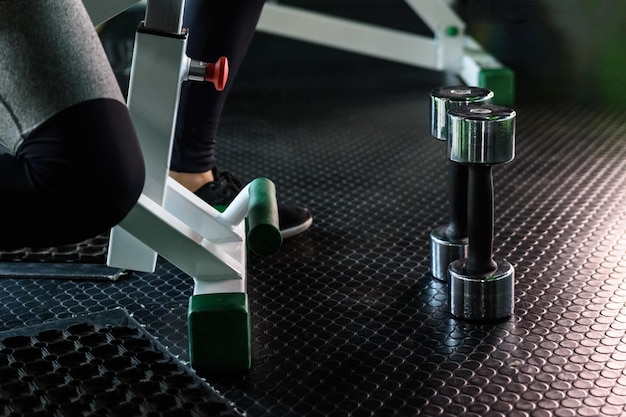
(50,59)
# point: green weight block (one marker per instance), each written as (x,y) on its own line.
(219,332)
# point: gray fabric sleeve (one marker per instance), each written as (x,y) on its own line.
(50,59)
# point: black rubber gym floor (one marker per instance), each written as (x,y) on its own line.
(347,320)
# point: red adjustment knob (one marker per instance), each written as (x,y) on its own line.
(217,73)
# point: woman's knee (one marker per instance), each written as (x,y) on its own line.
(114,159)
(88,156)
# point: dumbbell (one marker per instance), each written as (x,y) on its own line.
(449,242)
(481,287)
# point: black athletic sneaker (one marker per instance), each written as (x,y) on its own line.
(225,187)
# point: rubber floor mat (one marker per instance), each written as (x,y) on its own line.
(81,261)
(104,364)
(90,251)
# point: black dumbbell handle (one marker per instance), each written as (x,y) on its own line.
(457,200)
(480,220)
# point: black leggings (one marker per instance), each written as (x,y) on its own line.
(75,177)
(216,28)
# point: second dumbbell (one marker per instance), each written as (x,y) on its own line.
(449,242)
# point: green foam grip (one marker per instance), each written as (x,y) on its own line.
(263,236)
(501,81)
(219,332)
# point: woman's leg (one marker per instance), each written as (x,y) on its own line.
(216,28)
(73,178)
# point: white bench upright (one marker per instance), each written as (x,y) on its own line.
(168,219)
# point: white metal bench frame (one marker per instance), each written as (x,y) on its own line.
(171,221)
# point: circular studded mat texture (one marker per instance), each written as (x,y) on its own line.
(346,318)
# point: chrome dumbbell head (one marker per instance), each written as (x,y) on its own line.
(482,134)
(485,297)
(445,98)
(444,250)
